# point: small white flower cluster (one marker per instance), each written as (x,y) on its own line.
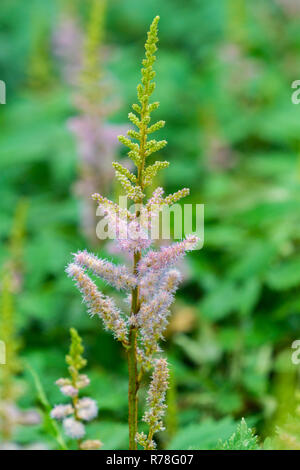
(87,409)
(72,415)
(79,410)
(84,409)
(61,411)
(73,428)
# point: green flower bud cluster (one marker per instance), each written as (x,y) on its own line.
(175,197)
(139,151)
(74,359)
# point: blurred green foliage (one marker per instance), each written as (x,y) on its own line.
(224,73)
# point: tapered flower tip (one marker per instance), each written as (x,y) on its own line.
(167,256)
(118,276)
(73,270)
(80,257)
(191,242)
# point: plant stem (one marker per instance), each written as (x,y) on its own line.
(132,390)
(75,401)
(132,368)
(134,377)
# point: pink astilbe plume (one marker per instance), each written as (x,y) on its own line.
(98,304)
(149,284)
(123,227)
(160,260)
(152,317)
(156,395)
(81,55)
(152,279)
(156,404)
(68,47)
(118,276)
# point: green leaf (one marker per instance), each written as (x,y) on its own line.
(242,439)
(49,424)
(220,302)
(284,275)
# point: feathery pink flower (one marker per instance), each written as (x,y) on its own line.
(151,283)
(98,304)
(171,281)
(68,47)
(167,256)
(156,395)
(128,234)
(152,318)
(156,403)
(117,276)
(94,137)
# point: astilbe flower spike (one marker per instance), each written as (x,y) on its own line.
(81,55)
(67,46)
(80,410)
(98,304)
(118,276)
(156,404)
(153,280)
(167,256)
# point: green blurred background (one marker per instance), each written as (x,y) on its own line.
(224,74)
